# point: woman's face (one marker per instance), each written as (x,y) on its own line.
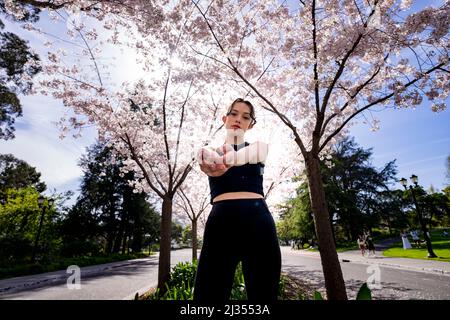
(239,118)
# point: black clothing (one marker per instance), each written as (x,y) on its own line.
(239,230)
(248,177)
(370,244)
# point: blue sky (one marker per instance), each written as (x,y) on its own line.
(419,139)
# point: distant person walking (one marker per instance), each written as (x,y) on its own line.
(415,238)
(361,244)
(370,245)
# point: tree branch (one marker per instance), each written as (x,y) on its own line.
(156,177)
(46,5)
(181,125)
(374,103)
(316,75)
(186,204)
(183,177)
(141,166)
(165,126)
(358,89)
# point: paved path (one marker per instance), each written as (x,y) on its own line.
(111,281)
(386,281)
(421,265)
(401,278)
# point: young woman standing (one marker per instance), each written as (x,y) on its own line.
(240,226)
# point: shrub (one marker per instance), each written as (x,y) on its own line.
(238,291)
(364,293)
(14,248)
(79,248)
(181,283)
(182,278)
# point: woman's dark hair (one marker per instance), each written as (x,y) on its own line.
(252,109)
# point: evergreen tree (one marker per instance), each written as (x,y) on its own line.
(18,65)
(21,219)
(434,206)
(17,174)
(296,220)
(108,216)
(354,187)
(358,197)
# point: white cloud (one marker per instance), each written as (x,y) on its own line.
(37,137)
(37,142)
(56,162)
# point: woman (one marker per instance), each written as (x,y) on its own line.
(370,245)
(415,238)
(361,244)
(240,226)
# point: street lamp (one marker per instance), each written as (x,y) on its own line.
(43,208)
(414,179)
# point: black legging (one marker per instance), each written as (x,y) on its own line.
(239,230)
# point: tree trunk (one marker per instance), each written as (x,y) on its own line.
(119,237)
(194,240)
(124,243)
(136,244)
(334,281)
(109,241)
(332,229)
(111,230)
(349,234)
(165,244)
(126,234)
(136,231)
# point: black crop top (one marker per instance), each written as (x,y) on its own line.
(248,177)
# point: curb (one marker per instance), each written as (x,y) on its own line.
(140,291)
(61,276)
(430,270)
(399,266)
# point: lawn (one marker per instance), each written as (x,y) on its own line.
(25,269)
(440,244)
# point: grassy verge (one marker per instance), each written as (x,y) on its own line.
(440,244)
(182,276)
(340,247)
(62,264)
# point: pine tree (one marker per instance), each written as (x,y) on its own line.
(18,65)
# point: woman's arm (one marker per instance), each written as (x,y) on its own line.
(207,155)
(211,162)
(253,153)
(214,170)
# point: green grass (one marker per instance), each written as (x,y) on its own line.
(25,269)
(440,244)
(340,247)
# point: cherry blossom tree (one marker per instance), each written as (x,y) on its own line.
(194,196)
(146,120)
(193,199)
(316,65)
(320,64)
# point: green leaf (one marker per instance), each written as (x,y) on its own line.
(317,295)
(364,293)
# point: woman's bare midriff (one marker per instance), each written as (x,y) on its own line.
(238,195)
